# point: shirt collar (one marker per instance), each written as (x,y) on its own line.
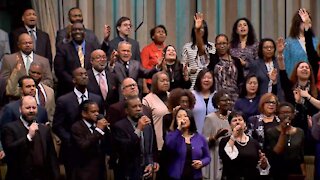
(96,73)
(24,55)
(83,45)
(134,124)
(28,28)
(79,94)
(24,122)
(88,123)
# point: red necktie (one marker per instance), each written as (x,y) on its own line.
(42,100)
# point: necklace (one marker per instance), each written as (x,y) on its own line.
(223,117)
(243,143)
(289,140)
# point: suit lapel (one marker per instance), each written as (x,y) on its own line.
(121,69)
(74,54)
(43,139)
(84,126)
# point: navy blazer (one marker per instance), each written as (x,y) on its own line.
(43,46)
(89,37)
(11,113)
(90,151)
(67,112)
(259,68)
(67,60)
(129,150)
(19,152)
(112,80)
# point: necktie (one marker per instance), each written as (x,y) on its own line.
(41,97)
(126,65)
(103,86)
(34,39)
(82,98)
(28,62)
(81,56)
(92,127)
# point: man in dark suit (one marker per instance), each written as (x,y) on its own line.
(11,110)
(41,39)
(71,56)
(123,66)
(101,81)
(88,137)
(123,28)
(17,64)
(64,36)
(134,138)
(28,146)
(66,113)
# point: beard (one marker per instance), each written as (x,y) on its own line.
(30,117)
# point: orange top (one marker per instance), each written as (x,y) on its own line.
(150,55)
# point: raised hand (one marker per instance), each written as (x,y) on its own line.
(273,75)
(106,32)
(280,45)
(198,18)
(113,57)
(304,15)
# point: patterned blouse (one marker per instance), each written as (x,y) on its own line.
(257,127)
(249,54)
(190,56)
(225,78)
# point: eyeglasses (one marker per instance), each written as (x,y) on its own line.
(130,85)
(100,58)
(271,102)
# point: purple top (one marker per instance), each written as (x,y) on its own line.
(177,148)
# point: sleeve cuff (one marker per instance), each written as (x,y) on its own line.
(100,131)
(264,172)
(29,137)
(232,152)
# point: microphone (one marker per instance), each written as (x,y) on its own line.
(99,117)
(139,115)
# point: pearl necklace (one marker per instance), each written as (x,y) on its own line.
(243,143)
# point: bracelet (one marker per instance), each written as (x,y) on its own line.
(232,138)
(309,98)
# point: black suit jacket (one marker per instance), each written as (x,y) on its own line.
(43,46)
(11,112)
(112,80)
(89,37)
(89,152)
(131,157)
(19,152)
(66,113)
(3,97)
(67,60)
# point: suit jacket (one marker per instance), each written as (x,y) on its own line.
(89,37)
(67,60)
(132,156)
(89,152)
(108,47)
(4,43)
(43,46)
(11,112)
(50,105)
(117,112)
(259,68)
(19,152)
(3,97)
(112,81)
(66,113)
(10,62)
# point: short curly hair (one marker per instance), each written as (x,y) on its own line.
(176,94)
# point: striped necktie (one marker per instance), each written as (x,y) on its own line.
(81,56)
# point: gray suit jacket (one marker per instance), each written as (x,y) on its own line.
(4,44)
(10,62)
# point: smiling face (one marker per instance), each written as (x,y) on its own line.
(98,60)
(170,53)
(207,81)
(303,71)
(77,32)
(242,28)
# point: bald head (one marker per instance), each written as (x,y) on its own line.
(28,108)
(98,60)
(25,43)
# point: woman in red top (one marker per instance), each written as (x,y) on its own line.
(151,54)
